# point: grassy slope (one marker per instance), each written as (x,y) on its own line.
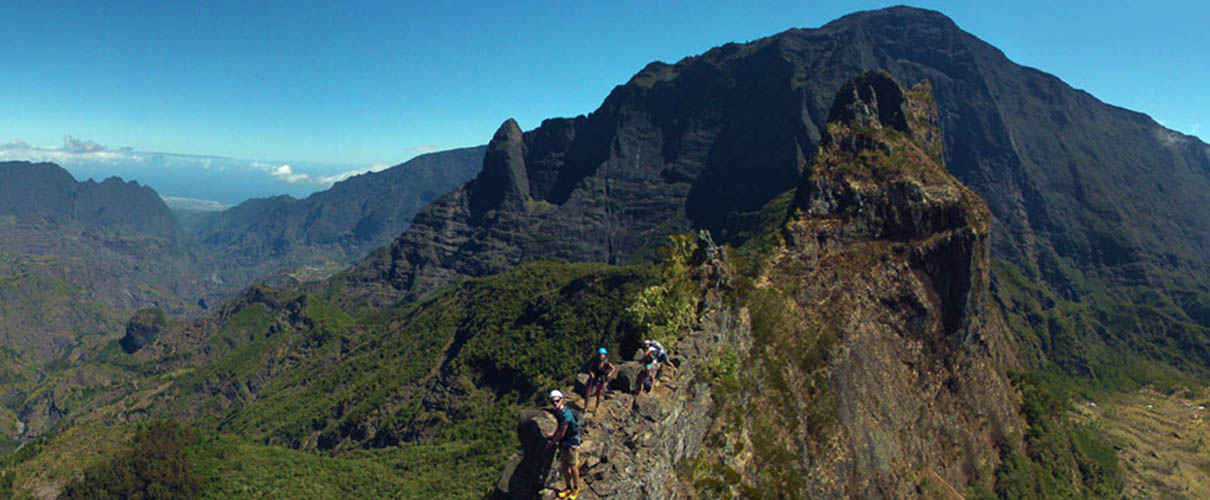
(230,467)
(1162,438)
(1115,342)
(415,401)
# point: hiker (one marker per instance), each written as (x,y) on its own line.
(661,355)
(567,438)
(600,371)
(645,379)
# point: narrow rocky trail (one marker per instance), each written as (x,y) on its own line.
(618,433)
(630,451)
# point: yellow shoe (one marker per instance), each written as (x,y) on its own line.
(574,493)
(565,493)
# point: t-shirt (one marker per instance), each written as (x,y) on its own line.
(573,428)
(660,353)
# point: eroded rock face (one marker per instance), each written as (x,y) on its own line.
(630,450)
(39,416)
(885,272)
(1092,196)
(142,328)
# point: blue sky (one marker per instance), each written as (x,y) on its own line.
(336,87)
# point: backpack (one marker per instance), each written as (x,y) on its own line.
(577,422)
(661,354)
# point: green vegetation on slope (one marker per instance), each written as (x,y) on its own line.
(231,467)
(494,340)
(154,466)
(412,401)
(1061,458)
(1161,440)
(1080,337)
(663,310)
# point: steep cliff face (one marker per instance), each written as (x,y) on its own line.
(1095,202)
(884,269)
(866,360)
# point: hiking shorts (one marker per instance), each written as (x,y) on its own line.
(596,380)
(569,452)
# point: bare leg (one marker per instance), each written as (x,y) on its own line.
(575,475)
(566,469)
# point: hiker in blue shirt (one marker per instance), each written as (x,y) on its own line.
(567,438)
(646,377)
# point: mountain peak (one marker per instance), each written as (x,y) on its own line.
(504,178)
(508,132)
(898,15)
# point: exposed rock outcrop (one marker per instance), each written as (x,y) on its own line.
(705,142)
(879,359)
(874,362)
(142,328)
(630,449)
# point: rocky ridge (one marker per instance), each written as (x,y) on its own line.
(886,266)
(877,358)
(1086,198)
(49,192)
(630,449)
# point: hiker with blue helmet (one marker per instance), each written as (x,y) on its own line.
(646,377)
(600,371)
(567,438)
(661,356)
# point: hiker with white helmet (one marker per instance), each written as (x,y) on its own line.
(661,355)
(645,379)
(567,438)
(600,371)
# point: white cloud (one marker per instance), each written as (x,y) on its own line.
(86,152)
(73,149)
(183,203)
(79,146)
(424,148)
(14,144)
(1197,127)
(286,173)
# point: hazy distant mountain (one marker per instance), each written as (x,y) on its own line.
(337,225)
(114,247)
(77,258)
(223,179)
(47,190)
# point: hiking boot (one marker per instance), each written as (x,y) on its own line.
(567,493)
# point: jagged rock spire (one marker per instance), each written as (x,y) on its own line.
(504,179)
(871,99)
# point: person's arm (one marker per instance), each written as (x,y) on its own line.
(558,435)
(613,369)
